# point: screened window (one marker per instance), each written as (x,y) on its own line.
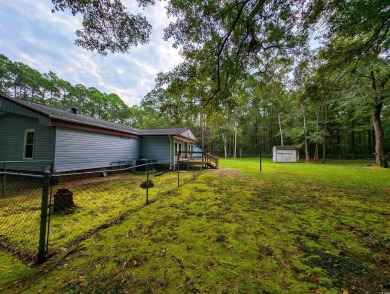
(28,143)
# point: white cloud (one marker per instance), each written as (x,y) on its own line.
(31,34)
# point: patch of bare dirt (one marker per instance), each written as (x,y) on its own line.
(224,171)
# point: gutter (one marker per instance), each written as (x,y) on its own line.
(92,124)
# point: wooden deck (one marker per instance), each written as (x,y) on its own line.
(203,159)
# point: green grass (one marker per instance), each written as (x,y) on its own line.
(97,201)
(297,228)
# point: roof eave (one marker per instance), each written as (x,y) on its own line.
(186,138)
(91,124)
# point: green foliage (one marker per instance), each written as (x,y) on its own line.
(107,25)
(224,41)
(18,80)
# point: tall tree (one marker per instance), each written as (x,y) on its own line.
(107,25)
(356,37)
(226,40)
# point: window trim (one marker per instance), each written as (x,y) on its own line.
(26,131)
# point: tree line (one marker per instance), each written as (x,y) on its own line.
(311,73)
(19,80)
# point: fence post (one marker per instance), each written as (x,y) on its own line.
(4,178)
(193,169)
(260,158)
(178,172)
(147,183)
(43,227)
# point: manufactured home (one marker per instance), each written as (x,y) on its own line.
(37,136)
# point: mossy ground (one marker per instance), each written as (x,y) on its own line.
(297,228)
(97,201)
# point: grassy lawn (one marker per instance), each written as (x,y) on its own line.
(97,201)
(297,228)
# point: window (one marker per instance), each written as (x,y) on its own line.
(179,144)
(28,144)
(178,149)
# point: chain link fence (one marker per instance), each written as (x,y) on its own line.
(39,218)
(20,210)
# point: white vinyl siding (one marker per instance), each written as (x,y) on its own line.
(78,150)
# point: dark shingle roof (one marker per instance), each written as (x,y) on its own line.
(162,132)
(60,114)
(65,115)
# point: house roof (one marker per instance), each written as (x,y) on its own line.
(65,115)
(163,132)
(56,114)
(184,133)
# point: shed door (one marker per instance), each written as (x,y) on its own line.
(286,157)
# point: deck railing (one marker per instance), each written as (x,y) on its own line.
(205,158)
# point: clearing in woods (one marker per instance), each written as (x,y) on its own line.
(297,228)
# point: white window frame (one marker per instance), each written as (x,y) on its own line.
(177,146)
(26,131)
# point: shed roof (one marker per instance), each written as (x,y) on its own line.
(286,147)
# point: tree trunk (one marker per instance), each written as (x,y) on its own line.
(324,151)
(235,142)
(280,128)
(315,159)
(224,139)
(307,158)
(369,141)
(325,130)
(379,148)
(378,130)
(353,150)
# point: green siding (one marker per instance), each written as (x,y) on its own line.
(10,107)
(156,147)
(12,128)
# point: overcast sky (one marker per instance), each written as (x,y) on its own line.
(31,34)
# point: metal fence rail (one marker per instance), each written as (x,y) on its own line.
(44,213)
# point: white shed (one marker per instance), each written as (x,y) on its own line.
(285,154)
